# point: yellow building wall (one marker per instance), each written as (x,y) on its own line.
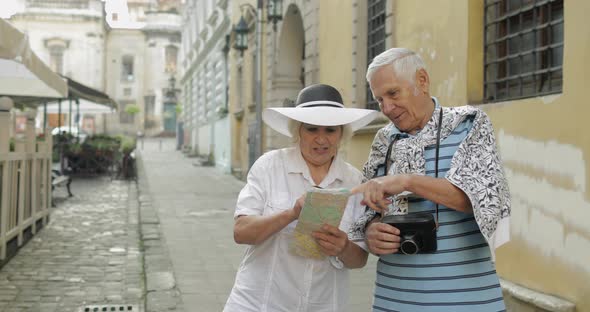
(335,44)
(546,149)
(358,148)
(544,141)
(437,30)
(335,63)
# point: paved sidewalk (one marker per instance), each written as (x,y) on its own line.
(87,256)
(195,207)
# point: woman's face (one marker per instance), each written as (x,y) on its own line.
(319,144)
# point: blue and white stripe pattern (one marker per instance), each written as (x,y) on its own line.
(459,276)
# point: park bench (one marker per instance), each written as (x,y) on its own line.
(59,180)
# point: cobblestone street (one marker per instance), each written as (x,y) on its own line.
(87,255)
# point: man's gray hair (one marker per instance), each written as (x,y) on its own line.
(405,63)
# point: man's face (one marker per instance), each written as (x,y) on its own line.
(400,100)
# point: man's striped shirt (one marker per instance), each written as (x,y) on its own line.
(459,276)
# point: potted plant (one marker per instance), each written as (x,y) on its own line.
(132,110)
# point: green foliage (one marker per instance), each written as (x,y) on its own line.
(103,143)
(178,108)
(132,109)
(127,144)
(74,148)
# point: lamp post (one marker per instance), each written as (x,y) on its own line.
(274,14)
(170,102)
(241,30)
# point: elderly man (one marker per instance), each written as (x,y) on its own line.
(434,170)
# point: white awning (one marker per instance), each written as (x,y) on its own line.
(22,73)
(86,107)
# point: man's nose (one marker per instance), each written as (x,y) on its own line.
(387,106)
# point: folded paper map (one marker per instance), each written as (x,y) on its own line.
(322,206)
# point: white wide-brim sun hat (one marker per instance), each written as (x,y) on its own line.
(319,105)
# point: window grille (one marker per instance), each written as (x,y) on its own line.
(375,39)
(523,48)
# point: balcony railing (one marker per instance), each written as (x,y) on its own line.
(58,4)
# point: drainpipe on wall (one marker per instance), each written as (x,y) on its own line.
(258,142)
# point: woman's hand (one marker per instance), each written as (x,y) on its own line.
(332,240)
(376,191)
(254,230)
(296,210)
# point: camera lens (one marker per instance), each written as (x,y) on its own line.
(409,247)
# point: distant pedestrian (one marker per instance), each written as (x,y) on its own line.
(270,278)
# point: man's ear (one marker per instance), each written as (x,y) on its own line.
(422,80)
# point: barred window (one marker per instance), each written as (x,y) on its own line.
(523,48)
(375,39)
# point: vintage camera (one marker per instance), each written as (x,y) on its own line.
(417,232)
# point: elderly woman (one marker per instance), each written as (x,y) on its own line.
(270,277)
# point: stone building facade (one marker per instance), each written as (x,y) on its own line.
(132,62)
(204,80)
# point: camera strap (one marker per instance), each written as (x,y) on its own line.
(440,115)
(437,150)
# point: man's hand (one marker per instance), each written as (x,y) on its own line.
(375,191)
(373,195)
(382,238)
(332,240)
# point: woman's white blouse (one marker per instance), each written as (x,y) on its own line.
(270,278)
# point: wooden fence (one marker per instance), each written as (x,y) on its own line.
(25,183)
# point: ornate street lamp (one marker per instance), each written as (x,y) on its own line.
(274,12)
(241,31)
